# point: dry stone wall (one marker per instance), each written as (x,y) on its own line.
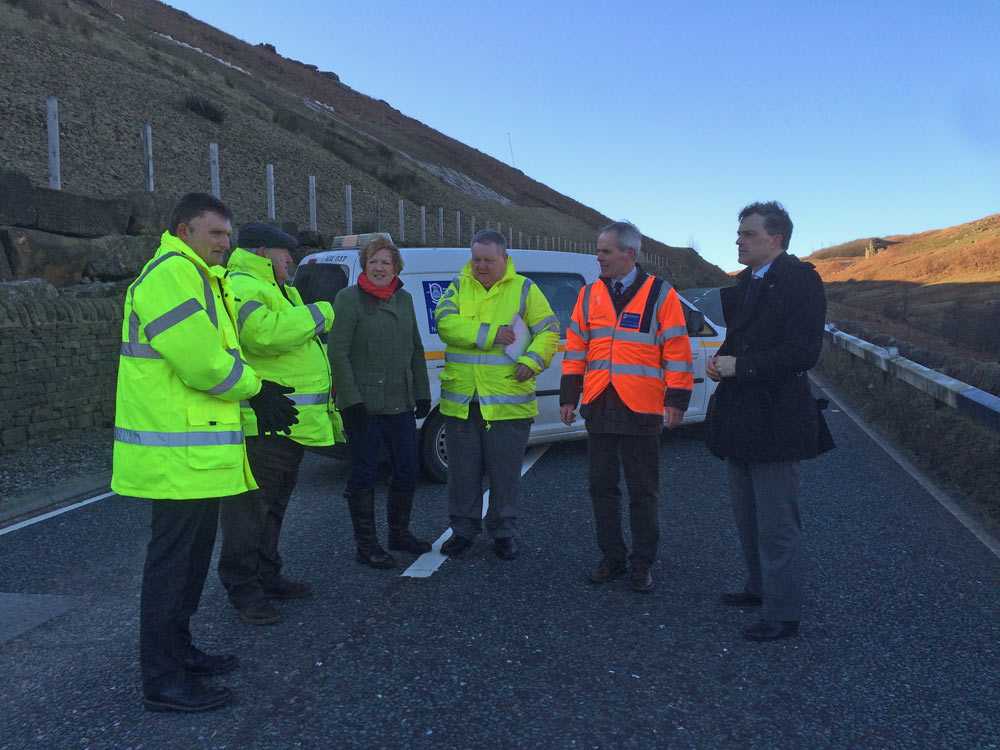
(65,263)
(58,360)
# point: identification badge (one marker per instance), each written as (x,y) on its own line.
(630,320)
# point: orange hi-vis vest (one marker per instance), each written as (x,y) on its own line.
(642,352)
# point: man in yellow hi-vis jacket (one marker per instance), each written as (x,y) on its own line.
(487,392)
(280,338)
(178,439)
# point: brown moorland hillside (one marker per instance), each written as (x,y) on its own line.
(116,64)
(939,289)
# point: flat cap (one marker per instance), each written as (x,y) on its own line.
(256,234)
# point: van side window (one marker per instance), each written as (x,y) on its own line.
(561,291)
(704,330)
(318,282)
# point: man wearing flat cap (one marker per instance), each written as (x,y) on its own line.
(281,337)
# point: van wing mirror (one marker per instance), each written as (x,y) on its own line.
(695,321)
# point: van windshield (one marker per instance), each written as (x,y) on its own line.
(318,282)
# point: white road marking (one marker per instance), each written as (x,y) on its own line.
(978,530)
(425,565)
(45,516)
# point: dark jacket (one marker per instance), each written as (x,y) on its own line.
(767,411)
(376,354)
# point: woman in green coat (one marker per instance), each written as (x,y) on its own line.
(380,377)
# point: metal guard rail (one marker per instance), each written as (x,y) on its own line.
(974,403)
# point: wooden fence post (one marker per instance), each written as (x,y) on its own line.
(350,210)
(147,147)
(270,191)
(312,203)
(52,123)
(213,166)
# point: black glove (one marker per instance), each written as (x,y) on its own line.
(354,418)
(423,408)
(275,412)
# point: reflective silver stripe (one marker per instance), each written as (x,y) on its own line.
(309,399)
(142,351)
(447,305)
(599,364)
(133,326)
(231,379)
(477,359)
(246,311)
(484,333)
(536,358)
(637,337)
(669,333)
(525,288)
(178,439)
(455,398)
(443,312)
(522,398)
(602,333)
(210,303)
(550,322)
(649,372)
(318,317)
(674,365)
(586,301)
(574,355)
(183,311)
(575,328)
(153,265)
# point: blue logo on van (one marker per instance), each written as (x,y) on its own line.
(433,292)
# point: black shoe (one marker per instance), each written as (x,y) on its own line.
(455,546)
(641,579)
(191,695)
(740,599)
(769,630)
(505,548)
(606,570)
(206,665)
(374,556)
(258,612)
(280,587)
(406,542)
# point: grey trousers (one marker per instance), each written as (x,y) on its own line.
(765,501)
(477,449)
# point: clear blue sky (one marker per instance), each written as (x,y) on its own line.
(863,118)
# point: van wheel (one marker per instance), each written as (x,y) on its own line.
(433,454)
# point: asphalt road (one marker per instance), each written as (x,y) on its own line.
(899,646)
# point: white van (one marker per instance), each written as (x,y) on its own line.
(428,271)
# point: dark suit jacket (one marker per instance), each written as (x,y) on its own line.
(767,411)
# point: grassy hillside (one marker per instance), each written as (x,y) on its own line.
(116,64)
(938,289)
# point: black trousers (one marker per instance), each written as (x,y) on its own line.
(182,536)
(639,455)
(251,522)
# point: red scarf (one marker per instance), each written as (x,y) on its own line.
(382,292)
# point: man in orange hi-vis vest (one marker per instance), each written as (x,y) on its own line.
(627,352)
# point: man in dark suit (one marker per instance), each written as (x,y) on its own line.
(763,419)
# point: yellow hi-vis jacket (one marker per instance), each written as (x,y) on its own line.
(280,338)
(468,317)
(644,352)
(180,379)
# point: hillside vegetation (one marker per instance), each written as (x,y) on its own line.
(938,289)
(117,64)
